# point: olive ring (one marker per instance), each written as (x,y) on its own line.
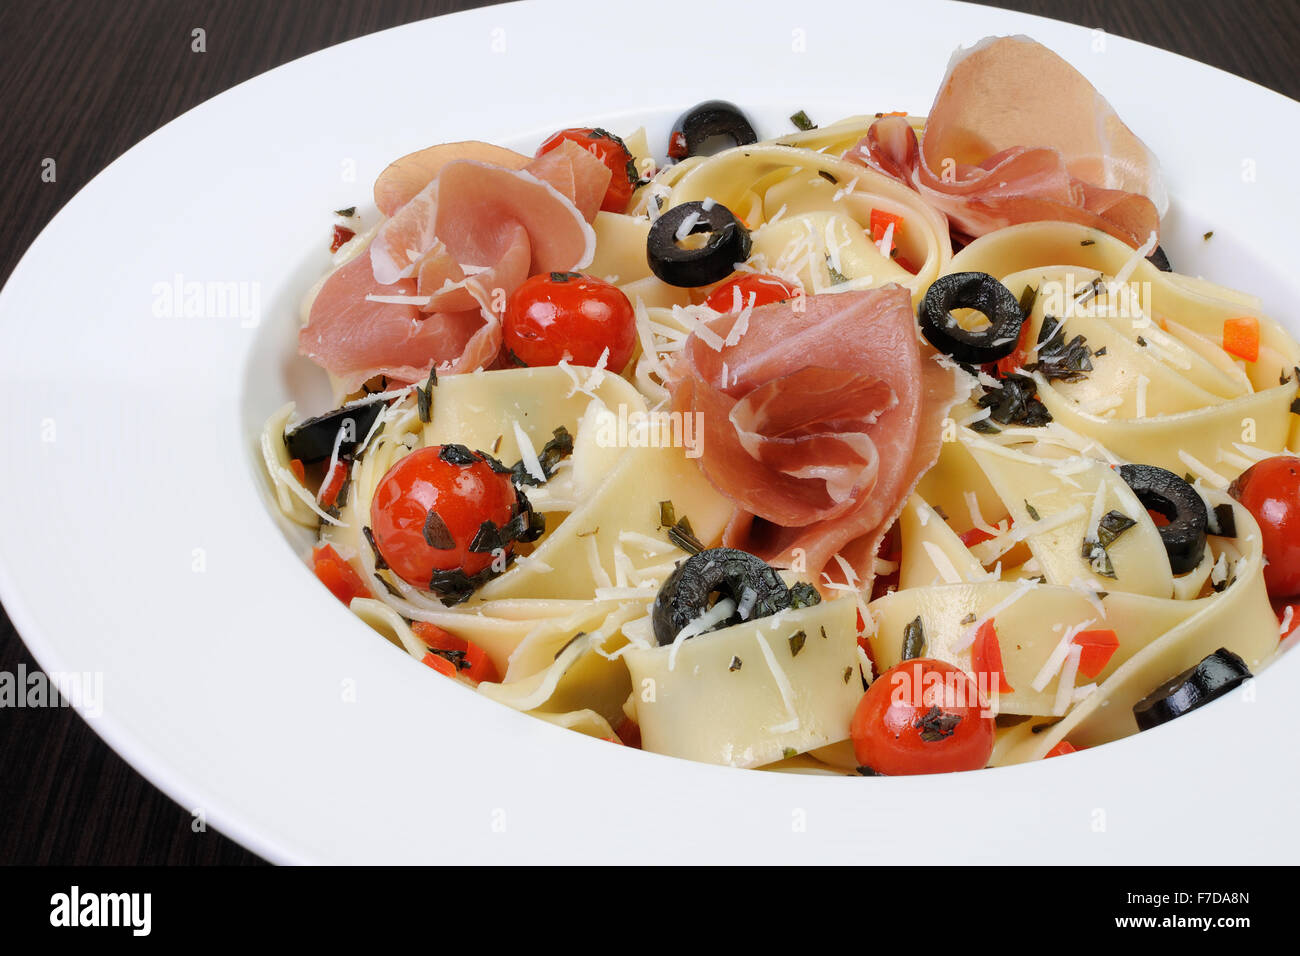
(728,244)
(971,290)
(1164,492)
(727,572)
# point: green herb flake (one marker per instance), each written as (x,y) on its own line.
(788,752)
(848,673)
(803,595)
(559,447)
(914,640)
(802,122)
(347,213)
(968,619)
(797,640)
(1111,526)
(1032,511)
(424,396)
(736,663)
(1088,242)
(667,514)
(828,177)
(836,277)
(1209,235)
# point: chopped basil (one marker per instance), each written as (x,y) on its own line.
(380,563)
(802,122)
(803,594)
(1059,360)
(914,640)
(1208,235)
(836,277)
(424,396)
(1112,525)
(736,663)
(457,455)
(347,213)
(1033,512)
(797,640)
(436,532)
(1088,242)
(788,752)
(1016,403)
(848,673)
(936,724)
(667,514)
(828,177)
(868,772)
(559,447)
(969,619)
(487,539)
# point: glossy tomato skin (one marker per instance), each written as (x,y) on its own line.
(611,151)
(463,496)
(764,288)
(1270,491)
(559,314)
(922,716)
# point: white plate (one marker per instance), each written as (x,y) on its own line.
(137,540)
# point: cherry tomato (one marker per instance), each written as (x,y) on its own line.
(922,716)
(765,290)
(611,151)
(559,314)
(461,498)
(480,666)
(1271,492)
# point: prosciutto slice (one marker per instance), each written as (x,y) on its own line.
(403,178)
(1016,135)
(355,338)
(818,423)
(581,176)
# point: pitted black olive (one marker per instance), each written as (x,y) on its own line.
(1160,260)
(1211,678)
(971,290)
(712,119)
(728,243)
(1164,492)
(314,439)
(717,573)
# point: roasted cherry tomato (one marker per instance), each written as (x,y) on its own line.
(611,151)
(555,315)
(764,289)
(427,511)
(922,716)
(1271,492)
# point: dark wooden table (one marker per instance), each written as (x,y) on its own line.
(83,80)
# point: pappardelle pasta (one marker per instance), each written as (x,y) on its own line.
(883,447)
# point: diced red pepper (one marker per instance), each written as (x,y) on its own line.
(986,657)
(1288,623)
(299,471)
(480,667)
(880,222)
(1241,338)
(440,664)
(1064,747)
(337,575)
(1018,358)
(1097,649)
(334,483)
(629,733)
(1159,519)
(978,535)
(342,235)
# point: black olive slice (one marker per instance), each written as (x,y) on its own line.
(1208,680)
(1165,492)
(725,572)
(314,439)
(1160,260)
(712,119)
(728,243)
(971,290)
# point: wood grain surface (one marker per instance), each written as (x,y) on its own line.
(84,80)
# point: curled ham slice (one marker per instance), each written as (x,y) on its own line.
(818,423)
(576,173)
(468,199)
(1016,135)
(403,179)
(355,338)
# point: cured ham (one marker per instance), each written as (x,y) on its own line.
(403,178)
(469,200)
(355,338)
(576,173)
(817,445)
(1017,135)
